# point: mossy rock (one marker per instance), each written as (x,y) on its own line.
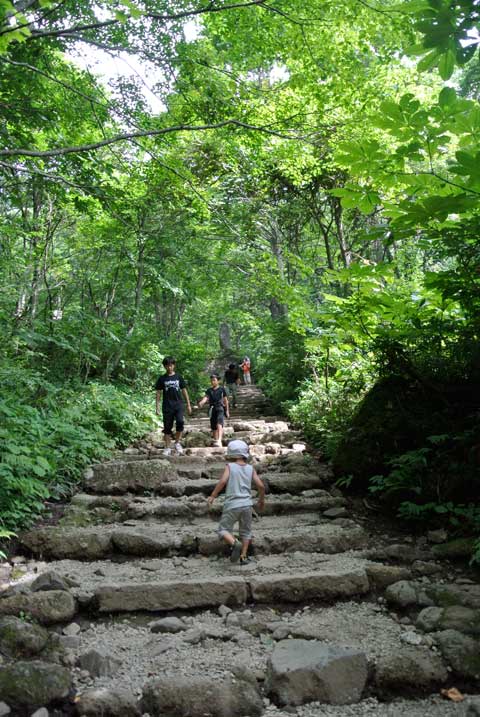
(33,684)
(20,638)
(459,548)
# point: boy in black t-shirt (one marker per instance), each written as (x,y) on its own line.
(172,386)
(218,401)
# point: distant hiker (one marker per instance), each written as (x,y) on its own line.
(172,386)
(237,479)
(231,379)
(245,366)
(218,402)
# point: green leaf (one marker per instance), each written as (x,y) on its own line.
(446,64)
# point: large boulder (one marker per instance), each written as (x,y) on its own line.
(46,607)
(461,651)
(409,669)
(236,695)
(456,617)
(72,543)
(33,684)
(19,638)
(409,593)
(131,476)
(300,671)
(108,703)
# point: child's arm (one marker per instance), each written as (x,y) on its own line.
(220,485)
(187,399)
(260,488)
(158,396)
(203,401)
(227,407)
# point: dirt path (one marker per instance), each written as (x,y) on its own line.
(141,613)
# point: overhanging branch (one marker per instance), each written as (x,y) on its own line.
(62,151)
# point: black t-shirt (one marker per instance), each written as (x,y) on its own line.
(231,376)
(171,387)
(215,396)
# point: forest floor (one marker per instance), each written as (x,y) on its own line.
(128,604)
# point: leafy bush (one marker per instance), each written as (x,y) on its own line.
(45,447)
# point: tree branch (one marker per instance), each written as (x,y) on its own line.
(62,151)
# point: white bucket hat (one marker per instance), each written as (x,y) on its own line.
(237,449)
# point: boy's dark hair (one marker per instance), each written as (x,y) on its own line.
(215,375)
(231,366)
(168,361)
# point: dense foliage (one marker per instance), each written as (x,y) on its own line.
(307,178)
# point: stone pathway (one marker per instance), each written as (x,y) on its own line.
(129,605)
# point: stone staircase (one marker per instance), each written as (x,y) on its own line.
(129,606)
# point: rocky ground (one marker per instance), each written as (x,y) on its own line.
(129,606)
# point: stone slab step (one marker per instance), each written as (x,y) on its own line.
(162,477)
(326,585)
(272,535)
(86,509)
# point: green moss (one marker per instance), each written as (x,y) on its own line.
(460,548)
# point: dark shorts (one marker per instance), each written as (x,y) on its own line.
(173,414)
(217,418)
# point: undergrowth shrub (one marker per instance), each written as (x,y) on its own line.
(49,434)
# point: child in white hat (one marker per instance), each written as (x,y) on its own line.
(237,479)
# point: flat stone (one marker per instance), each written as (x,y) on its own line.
(381,576)
(72,629)
(108,703)
(172,595)
(168,624)
(98,664)
(4,709)
(233,696)
(301,671)
(335,513)
(294,588)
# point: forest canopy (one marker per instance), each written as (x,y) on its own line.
(307,174)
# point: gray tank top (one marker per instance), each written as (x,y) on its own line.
(238,493)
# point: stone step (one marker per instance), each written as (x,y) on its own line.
(186,583)
(85,509)
(169,478)
(282,534)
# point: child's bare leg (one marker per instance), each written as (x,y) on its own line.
(229,538)
(245,544)
(167,438)
(219,433)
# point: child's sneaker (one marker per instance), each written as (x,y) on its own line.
(235,552)
(179,448)
(245,561)
(167,452)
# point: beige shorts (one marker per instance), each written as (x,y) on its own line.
(241,515)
